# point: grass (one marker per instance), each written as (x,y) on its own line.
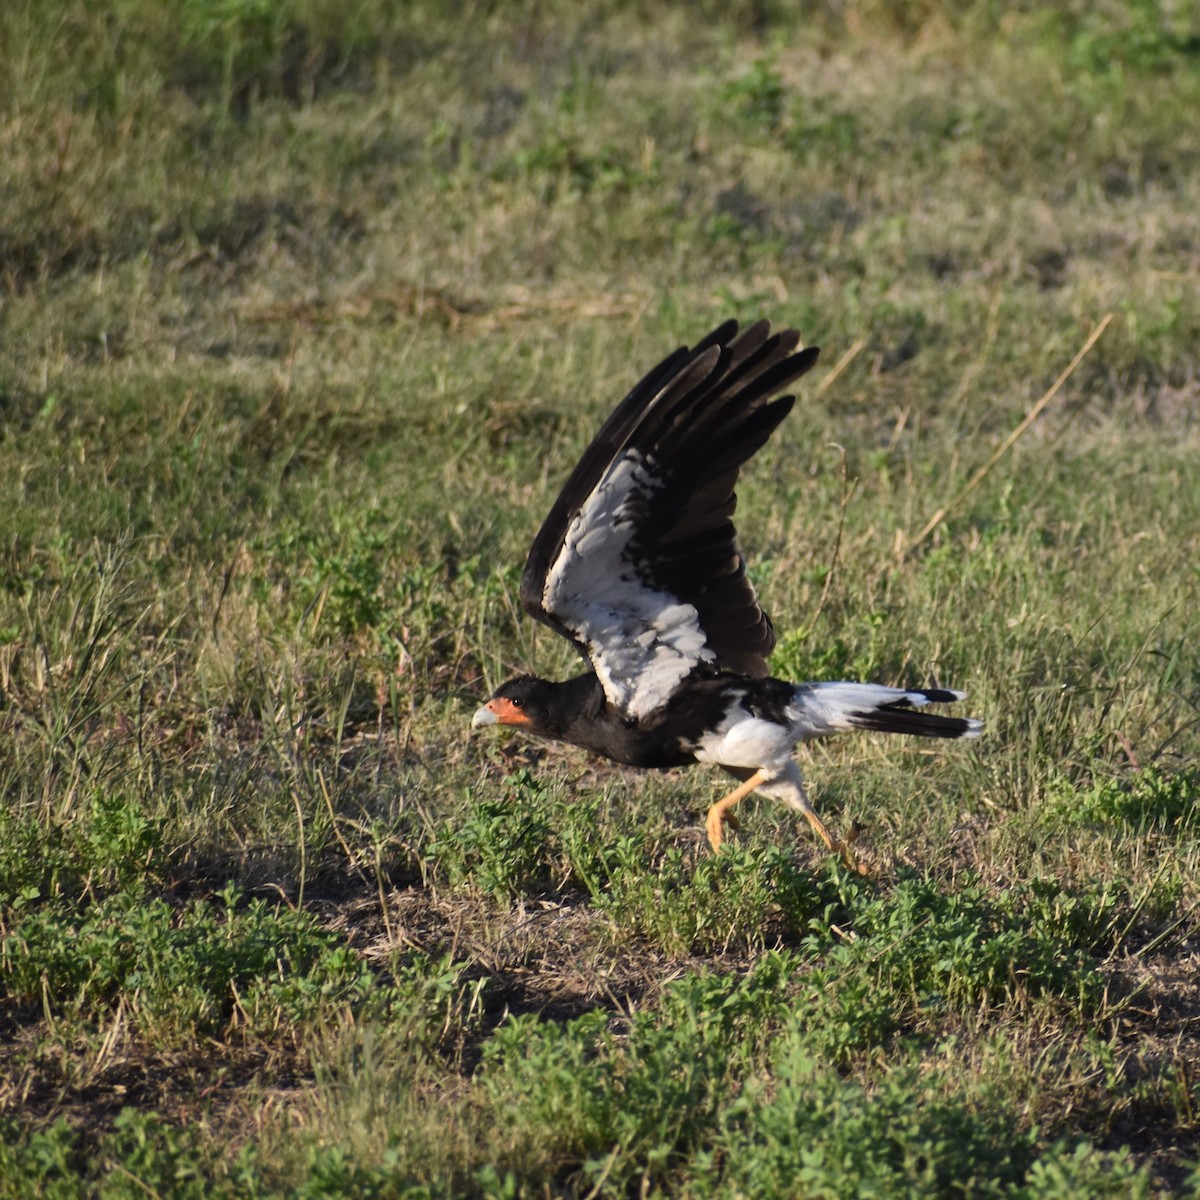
(306,310)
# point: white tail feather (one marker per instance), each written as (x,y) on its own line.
(825,708)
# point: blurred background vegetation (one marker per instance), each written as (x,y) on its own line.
(306,309)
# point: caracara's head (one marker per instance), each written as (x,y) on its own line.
(525,701)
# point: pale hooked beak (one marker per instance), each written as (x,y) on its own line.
(484,716)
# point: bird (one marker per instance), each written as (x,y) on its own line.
(638,564)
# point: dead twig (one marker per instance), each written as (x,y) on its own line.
(1031,416)
(848,490)
(839,366)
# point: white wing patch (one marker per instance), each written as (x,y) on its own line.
(641,641)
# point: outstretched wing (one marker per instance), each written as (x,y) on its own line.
(638,562)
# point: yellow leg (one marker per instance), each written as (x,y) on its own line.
(719,814)
(820,830)
(800,802)
(838,847)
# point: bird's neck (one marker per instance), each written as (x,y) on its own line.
(579,699)
(566,710)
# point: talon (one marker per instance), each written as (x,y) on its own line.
(848,856)
(713,822)
(720,813)
(716,835)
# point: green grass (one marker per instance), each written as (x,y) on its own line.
(305,312)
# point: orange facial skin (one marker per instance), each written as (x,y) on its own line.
(504,712)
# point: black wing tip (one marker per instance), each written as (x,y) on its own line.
(806,359)
(731,332)
(724,333)
(732,373)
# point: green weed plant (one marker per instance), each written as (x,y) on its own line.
(306,309)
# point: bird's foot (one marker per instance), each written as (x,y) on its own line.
(714,822)
(720,813)
(837,845)
(847,855)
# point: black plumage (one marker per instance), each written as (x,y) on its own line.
(698,416)
(638,564)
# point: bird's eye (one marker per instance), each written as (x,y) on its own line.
(518,703)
